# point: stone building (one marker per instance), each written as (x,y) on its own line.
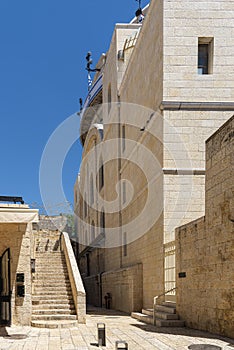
(15,263)
(165,86)
(204,247)
(32,256)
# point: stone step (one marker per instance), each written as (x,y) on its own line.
(142,317)
(55,305)
(148,312)
(54,312)
(169,304)
(55,255)
(53,317)
(50,297)
(166,316)
(169,323)
(51,274)
(50,257)
(50,268)
(59,294)
(52,283)
(37,303)
(54,324)
(55,288)
(49,282)
(49,263)
(167,309)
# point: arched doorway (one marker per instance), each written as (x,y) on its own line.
(5,288)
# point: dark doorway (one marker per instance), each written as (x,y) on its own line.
(5,289)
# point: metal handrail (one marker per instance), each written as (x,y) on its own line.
(155,302)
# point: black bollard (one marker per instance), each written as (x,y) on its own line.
(121,345)
(101,334)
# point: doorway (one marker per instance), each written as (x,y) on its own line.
(5,289)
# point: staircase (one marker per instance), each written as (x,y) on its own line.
(52,300)
(166,316)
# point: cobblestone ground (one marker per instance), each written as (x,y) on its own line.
(118,327)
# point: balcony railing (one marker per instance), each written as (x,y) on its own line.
(93,98)
(94,91)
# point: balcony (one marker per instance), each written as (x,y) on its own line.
(93,99)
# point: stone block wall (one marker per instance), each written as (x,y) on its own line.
(17,238)
(125,287)
(184,22)
(204,248)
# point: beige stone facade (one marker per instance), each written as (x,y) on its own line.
(157,113)
(204,248)
(16,236)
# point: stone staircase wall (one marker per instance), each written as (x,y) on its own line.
(54,299)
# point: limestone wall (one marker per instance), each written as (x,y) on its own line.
(204,248)
(17,238)
(185,21)
(125,287)
(185,133)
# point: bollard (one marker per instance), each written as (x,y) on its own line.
(101,334)
(121,345)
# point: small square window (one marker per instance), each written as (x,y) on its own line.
(205,55)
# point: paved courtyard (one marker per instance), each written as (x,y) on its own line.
(118,327)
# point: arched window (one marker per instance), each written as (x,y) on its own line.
(101,174)
(102,221)
(85,206)
(92,231)
(91,190)
(109,98)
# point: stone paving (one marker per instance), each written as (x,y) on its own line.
(118,327)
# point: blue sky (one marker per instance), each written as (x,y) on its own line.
(42,76)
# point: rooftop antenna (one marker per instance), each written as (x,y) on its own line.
(139,2)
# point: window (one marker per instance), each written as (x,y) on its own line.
(102,221)
(92,231)
(205,55)
(123,138)
(101,175)
(85,207)
(124,192)
(109,98)
(125,251)
(91,190)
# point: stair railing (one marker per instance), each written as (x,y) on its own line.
(155,302)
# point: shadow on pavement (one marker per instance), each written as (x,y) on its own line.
(6,335)
(189,332)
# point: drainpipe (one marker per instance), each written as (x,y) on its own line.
(120,192)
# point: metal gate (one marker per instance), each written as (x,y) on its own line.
(169,271)
(5,288)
